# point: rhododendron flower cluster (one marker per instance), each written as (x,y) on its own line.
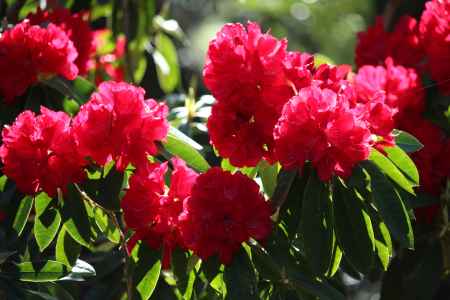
(29,52)
(77,28)
(49,151)
(212,213)
(152,210)
(118,123)
(223,211)
(39,152)
(317,126)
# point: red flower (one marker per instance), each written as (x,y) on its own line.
(403,44)
(251,76)
(224,211)
(319,126)
(152,211)
(29,52)
(401,87)
(117,123)
(39,152)
(77,28)
(431,161)
(435,32)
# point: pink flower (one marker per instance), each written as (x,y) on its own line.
(118,123)
(29,52)
(39,152)
(223,211)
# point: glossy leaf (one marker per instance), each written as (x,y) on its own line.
(353,227)
(407,142)
(67,249)
(388,168)
(22,214)
(390,206)
(46,222)
(240,277)
(403,162)
(146,272)
(166,61)
(41,271)
(316,229)
(268,174)
(181,145)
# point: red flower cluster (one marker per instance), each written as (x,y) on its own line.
(118,123)
(77,28)
(107,65)
(422,45)
(152,211)
(251,75)
(39,152)
(223,211)
(49,151)
(435,34)
(402,44)
(211,213)
(29,52)
(318,126)
(276,105)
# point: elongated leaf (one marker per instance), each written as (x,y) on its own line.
(47,221)
(110,188)
(268,174)
(22,214)
(67,249)
(240,278)
(166,61)
(177,145)
(407,142)
(403,162)
(106,226)
(75,217)
(41,272)
(80,271)
(390,206)
(316,229)
(146,273)
(388,168)
(79,89)
(353,227)
(285,180)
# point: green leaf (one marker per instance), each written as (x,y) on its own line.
(106,226)
(80,271)
(181,145)
(407,142)
(316,228)
(41,271)
(166,61)
(285,180)
(76,218)
(67,249)
(268,174)
(240,277)
(4,255)
(403,162)
(390,206)
(79,89)
(353,227)
(110,188)
(422,200)
(46,222)
(22,214)
(146,272)
(388,168)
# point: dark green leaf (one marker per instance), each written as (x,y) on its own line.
(67,249)
(4,255)
(146,272)
(407,142)
(75,217)
(106,226)
(41,272)
(79,89)
(388,168)
(240,277)
(166,61)
(403,162)
(181,145)
(284,183)
(80,271)
(390,206)
(268,174)
(353,227)
(46,222)
(109,190)
(316,229)
(22,214)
